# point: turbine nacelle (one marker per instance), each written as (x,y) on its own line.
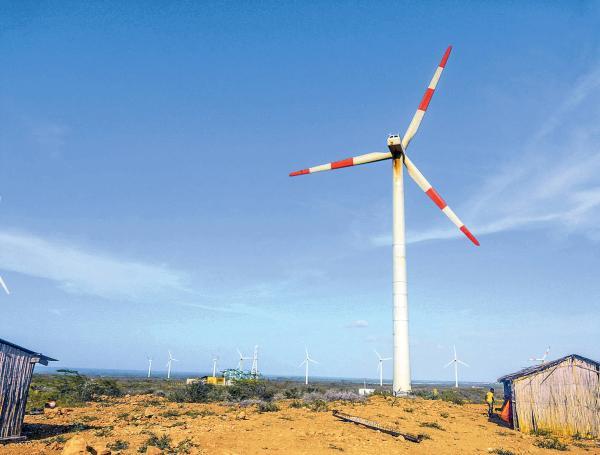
(394,143)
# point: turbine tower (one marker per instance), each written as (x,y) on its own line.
(254,370)
(542,360)
(149,366)
(305,362)
(171,360)
(215,360)
(455,361)
(380,367)
(241,362)
(397,153)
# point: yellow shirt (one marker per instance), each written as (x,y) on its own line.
(489,397)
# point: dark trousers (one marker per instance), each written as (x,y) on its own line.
(490,409)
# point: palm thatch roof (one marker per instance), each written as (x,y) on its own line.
(544,366)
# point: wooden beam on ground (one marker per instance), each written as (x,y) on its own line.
(375,426)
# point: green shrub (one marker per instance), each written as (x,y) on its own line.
(163,443)
(551,443)
(118,445)
(435,425)
(293,393)
(502,452)
(296,404)
(267,406)
(247,389)
(541,432)
(318,406)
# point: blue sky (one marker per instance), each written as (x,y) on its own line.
(146,203)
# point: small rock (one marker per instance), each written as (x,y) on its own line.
(75,446)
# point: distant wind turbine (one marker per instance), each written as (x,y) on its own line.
(149,366)
(242,358)
(380,367)
(254,370)
(215,360)
(455,361)
(307,359)
(542,360)
(171,360)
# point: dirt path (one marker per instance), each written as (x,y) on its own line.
(218,429)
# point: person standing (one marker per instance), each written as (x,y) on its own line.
(489,399)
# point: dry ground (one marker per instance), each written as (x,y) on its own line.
(219,429)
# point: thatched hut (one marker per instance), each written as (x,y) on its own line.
(16,369)
(562,396)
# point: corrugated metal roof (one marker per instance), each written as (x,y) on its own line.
(537,368)
(43,358)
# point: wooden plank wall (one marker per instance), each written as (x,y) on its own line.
(564,399)
(16,369)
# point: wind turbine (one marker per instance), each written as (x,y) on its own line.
(171,360)
(149,366)
(542,360)
(397,153)
(254,370)
(305,362)
(380,367)
(242,358)
(3,284)
(215,360)
(455,361)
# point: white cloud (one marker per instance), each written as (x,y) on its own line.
(87,272)
(358,324)
(553,182)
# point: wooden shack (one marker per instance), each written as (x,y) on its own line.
(562,396)
(16,370)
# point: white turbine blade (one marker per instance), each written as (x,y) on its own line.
(418,117)
(303,362)
(436,198)
(449,363)
(311,360)
(454,346)
(354,161)
(462,363)
(387,358)
(377,353)
(238,351)
(4,286)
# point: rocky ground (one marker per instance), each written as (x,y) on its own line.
(146,424)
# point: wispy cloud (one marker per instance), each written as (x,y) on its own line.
(87,272)
(552,182)
(358,324)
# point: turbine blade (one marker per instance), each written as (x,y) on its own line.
(463,363)
(4,286)
(377,353)
(354,161)
(436,198)
(387,358)
(449,363)
(303,362)
(413,127)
